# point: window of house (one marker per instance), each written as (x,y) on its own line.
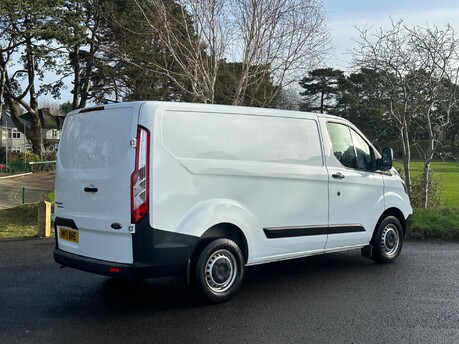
(14,149)
(54,133)
(14,134)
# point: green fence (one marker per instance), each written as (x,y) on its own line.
(17,167)
(31,195)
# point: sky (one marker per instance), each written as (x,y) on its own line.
(344,15)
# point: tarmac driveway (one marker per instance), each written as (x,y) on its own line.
(36,184)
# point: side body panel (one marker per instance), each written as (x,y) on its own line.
(193,193)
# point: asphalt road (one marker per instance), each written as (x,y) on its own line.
(337,298)
(36,184)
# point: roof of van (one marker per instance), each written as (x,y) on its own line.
(182,106)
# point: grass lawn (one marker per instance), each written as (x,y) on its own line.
(443,223)
(19,222)
(448,173)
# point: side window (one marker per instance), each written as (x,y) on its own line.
(349,147)
(363,152)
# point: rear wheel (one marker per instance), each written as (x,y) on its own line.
(219,270)
(388,240)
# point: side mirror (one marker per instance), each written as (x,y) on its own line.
(385,163)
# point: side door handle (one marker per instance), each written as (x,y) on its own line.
(91,189)
(338,175)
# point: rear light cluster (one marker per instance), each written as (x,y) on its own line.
(140,177)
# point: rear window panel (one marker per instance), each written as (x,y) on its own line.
(96,140)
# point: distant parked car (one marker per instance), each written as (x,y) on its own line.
(2,167)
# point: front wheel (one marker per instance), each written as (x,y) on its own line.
(388,240)
(219,270)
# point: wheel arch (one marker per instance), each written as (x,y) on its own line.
(224,230)
(391,212)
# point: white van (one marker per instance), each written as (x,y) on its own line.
(147,189)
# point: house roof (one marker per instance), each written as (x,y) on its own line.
(5,119)
(48,121)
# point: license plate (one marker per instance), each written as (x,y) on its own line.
(69,235)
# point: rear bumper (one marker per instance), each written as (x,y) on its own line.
(113,269)
(156,253)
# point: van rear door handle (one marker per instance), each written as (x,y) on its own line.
(90,189)
(338,175)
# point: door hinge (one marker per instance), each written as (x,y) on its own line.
(131,229)
(133,143)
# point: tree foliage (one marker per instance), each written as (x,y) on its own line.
(358,97)
(322,87)
(27,32)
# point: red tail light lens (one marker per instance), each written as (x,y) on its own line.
(140,177)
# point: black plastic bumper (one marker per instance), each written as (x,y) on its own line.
(408,224)
(112,269)
(156,253)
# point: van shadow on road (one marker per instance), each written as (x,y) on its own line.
(270,280)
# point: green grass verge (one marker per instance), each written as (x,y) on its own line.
(442,223)
(19,222)
(448,173)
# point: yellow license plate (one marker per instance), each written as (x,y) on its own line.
(68,235)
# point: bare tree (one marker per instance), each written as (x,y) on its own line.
(195,34)
(436,85)
(418,67)
(388,52)
(282,39)
(275,40)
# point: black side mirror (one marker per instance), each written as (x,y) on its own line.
(385,163)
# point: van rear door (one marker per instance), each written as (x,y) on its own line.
(93,182)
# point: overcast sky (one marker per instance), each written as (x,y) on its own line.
(344,15)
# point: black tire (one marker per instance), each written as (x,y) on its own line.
(387,241)
(219,270)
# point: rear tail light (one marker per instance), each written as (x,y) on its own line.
(140,177)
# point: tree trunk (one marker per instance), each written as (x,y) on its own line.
(76,77)
(322,96)
(425,184)
(406,156)
(426,172)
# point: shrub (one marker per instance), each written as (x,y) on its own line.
(19,157)
(17,164)
(49,156)
(434,194)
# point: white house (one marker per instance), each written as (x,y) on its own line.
(15,141)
